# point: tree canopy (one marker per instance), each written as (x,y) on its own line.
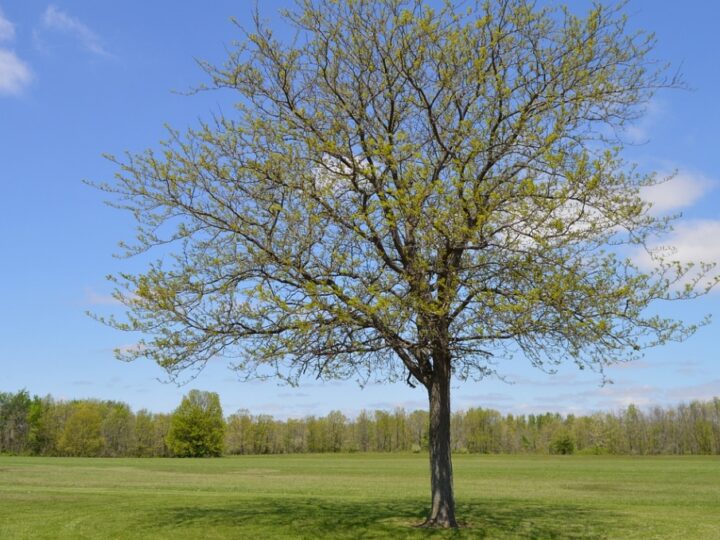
(408,192)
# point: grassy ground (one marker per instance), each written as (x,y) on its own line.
(358,496)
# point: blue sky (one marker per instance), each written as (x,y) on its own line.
(81,78)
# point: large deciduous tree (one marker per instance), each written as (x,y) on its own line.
(407,192)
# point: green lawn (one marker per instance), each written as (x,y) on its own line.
(358,496)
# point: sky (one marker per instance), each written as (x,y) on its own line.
(81,78)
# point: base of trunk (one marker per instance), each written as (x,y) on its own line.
(435,523)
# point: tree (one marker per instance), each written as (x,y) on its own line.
(238,433)
(197,428)
(161,425)
(336,422)
(118,430)
(14,421)
(407,192)
(81,434)
(39,436)
(364,432)
(144,434)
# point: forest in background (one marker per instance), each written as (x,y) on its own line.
(44,426)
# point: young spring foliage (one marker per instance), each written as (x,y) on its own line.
(399,176)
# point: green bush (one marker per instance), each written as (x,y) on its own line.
(197,428)
(562,444)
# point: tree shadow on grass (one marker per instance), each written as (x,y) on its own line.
(320,518)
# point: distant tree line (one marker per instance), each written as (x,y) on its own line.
(48,427)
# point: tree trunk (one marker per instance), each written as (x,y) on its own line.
(442,513)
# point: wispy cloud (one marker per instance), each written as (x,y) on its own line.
(605,399)
(692,241)
(95,299)
(680,364)
(639,132)
(647,395)
(680,191)
(287,409)
(635,364)
(15,74)
(408,405)
(618,397)
(491,397)
(60,21)
(7,29)
(562,401)
(291,395)
(612,398)
(692,368)
(130,348)
(551,380)
(702,391)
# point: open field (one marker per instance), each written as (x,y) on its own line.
(358,496)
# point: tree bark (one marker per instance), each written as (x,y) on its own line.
(442,513)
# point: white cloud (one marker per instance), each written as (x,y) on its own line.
(679,365)
(55,19)
(610,398)
(605,399)
(408,405)
(569,379)
(97,299)
(639,132)
(702,391)
(697,241)
(15,74)
(485,398)
(690,241)
(682,190)
(622,397)
(635,364)
(7,29)
(131,348)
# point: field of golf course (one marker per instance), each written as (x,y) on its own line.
(358,496)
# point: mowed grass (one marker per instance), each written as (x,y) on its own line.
(358,496)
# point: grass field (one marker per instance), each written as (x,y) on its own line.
(358,496)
